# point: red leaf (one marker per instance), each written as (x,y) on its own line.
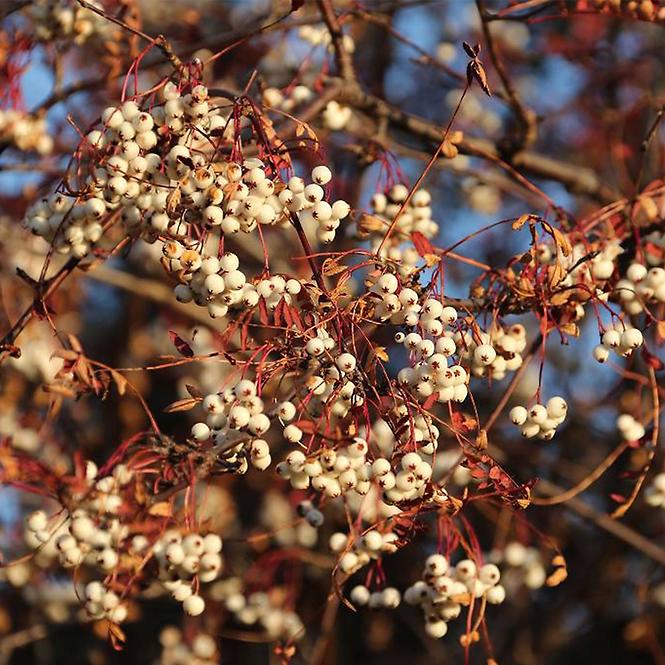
(422,244)
(653,361)
(263,312)
(183,348)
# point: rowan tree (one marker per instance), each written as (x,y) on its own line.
(332,331)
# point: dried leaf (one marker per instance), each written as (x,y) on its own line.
(161,509)
(649,206)
(557,273)
(120,382)
(422,244)
(570,328)
(562,242)
(381,354)
(331,266)
(449,149)
(560,297)
(521,221)
(182,405)
(183,348)
(558,576)
(173,200)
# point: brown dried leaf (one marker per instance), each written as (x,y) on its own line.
(331,266)
(649,206)
(120,382)
(570,328)
(557,273)
(381,354)
(161,509)
(449,149)
(558,576)
(560,298)
(182,405)
(521,221)
(173,200)
(562,242)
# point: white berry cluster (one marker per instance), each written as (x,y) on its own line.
(186,561)
(201,649)
(407,481)
(102,603)
(336,116)
(25,131)
(655,492)
(540,420)
(359,552)
(22,438)
(319,35)
(430,373)
(159,168)
(262,610)
(522,566)
(444,590)
(72,229)
(640,287)
(417,216)
(496,352)
(235,417)
(403,306)
(416,429)
(620,339)
(387,598)
(328,471)
(331,382)
(288,99)
(93,540)
(67,20)
(215,283)
(580,271)
(630,428)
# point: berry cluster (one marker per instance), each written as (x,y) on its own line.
(330,472)
(186,561)
(319,35)
(359,552)
(641,285)
(102,603)
(522,566)
(621,339)
(25,132)
(444,590)
(655,492)
(630,428)
(388,598)
(66,20)
(540,420)
(235,422)
(417,217)
(287,100)
(158,167)
(262,610)
(176,650)
(495,352)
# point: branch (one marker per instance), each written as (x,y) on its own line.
(525,116)
(342,56)
(577,179)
